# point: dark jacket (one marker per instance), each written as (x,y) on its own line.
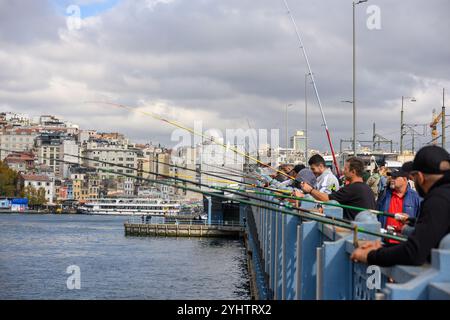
(411,204)
(432,226)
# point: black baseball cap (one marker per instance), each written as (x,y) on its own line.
(407,166)
(395,173)
(429,160)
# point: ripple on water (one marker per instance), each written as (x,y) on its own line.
(36,250)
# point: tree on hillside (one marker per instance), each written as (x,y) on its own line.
(36,197)
(9,179)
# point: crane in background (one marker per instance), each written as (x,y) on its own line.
(434,124)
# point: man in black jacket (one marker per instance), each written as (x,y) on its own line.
(431,172)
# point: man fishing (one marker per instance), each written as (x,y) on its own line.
(326,180)
(356,193)
(400,197)
(431,174)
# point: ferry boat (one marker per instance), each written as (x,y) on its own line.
(131,207)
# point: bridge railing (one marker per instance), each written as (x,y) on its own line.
(164,220)
(305,259)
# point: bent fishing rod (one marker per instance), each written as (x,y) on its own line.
(192,131)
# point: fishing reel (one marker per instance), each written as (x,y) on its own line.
(390,230)
(410,221)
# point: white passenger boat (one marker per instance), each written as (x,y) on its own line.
(131,207)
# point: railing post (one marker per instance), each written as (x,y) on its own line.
(279,256)
(310,239)
(283,257)
(276,258)
(298,269)
(334,271)
(360,290)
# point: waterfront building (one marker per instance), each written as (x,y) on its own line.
(38,182)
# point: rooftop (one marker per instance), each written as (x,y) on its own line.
(34,177)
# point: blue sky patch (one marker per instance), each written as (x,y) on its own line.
(87,10)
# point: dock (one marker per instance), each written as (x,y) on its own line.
(185,228)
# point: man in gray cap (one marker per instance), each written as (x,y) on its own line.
(431,173)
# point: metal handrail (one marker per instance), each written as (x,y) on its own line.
(162,220)
(410,282)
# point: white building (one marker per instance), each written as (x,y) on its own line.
(17,119)
(68,152)
(298,141)
(38,182)
(51,147)
(17,139)
(289,156)
(85,135)
(115,154)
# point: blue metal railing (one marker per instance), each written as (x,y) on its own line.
(164,220)
(304,259)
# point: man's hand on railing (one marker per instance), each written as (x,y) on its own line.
(306,188)
(360,254)
(365,244)
(297,193)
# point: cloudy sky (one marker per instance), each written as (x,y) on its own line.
(223,62)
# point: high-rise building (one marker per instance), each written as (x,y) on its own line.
(298,141)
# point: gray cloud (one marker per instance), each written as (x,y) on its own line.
(225,62)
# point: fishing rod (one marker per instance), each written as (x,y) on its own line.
(233,191)
(397,216)
(242,183)
(192,131)
(287,194)
(238,175)
(275,193)
(235,171)
(311,74)
(207,179)
(307,214)
(225,173)
(206,173)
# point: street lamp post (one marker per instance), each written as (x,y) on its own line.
(402,125)
(354,76)
(354,127)
(287,137)
(306,117)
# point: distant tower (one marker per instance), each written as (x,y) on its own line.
(298,141)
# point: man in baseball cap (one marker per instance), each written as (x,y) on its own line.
(431,174)
(401,200)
